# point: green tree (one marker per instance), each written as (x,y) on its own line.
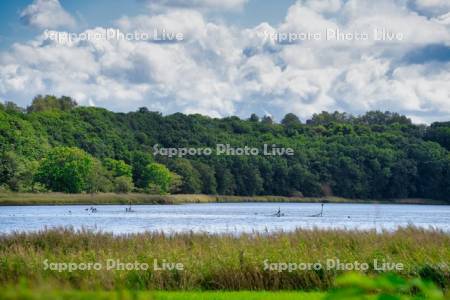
(303,181)
(66,169)
(139,161)
(123,184)
(175,183)
(254,118)
(439,132)
(16,172)
(225,181)
(158,178)
(267,120)
(290,120)
(98,179)
(49,102)
(192,183)
(207,176)
(118,167)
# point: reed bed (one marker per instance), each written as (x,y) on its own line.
(218,262)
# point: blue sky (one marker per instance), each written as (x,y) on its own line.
(104,12)
(234,57)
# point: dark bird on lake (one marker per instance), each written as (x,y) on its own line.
(278,213)
(319,214)
(129,208)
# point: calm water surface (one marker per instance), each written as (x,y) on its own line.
(223,217)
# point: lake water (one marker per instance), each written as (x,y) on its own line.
(223,217)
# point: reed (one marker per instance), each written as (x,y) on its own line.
(219,262)
(12,198)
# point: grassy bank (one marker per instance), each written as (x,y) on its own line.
(137,198)
(219,262)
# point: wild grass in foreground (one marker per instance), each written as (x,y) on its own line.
(220,262)
(14,294)
(349,287)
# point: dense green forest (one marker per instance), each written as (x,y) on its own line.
(56,145)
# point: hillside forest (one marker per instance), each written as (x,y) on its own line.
(56,145)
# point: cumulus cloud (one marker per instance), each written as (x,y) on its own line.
(188,22)
(431,6)
(47,14)
(197,4)
(222,70)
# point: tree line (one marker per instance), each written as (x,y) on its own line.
(56,145)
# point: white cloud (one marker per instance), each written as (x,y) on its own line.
(47,14)
(197,4)
(188,22)
(432,6)
(323,6)
(220,70)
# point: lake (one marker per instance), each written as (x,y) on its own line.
(223,217)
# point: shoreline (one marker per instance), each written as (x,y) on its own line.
(31,199)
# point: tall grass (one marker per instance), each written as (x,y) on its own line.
(218,262)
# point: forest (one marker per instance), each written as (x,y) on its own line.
(56,145)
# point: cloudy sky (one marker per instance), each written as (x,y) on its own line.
(231,57)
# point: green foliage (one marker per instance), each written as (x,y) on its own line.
(17,173)
(254,118)
(290,120)
(66,169)
(225,181)
(439,133)
(378,155)
(176,181)
(121,175)
(37,294)
(388,286)
(191,177)
(123,184)
(48,102)
(351,286)
(207,177)
(140,161)
(12,108)
(158,178)
(326,118)
(118,167)
(98,179)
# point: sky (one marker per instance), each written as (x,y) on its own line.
(231,57)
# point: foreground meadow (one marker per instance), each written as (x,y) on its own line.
(125,295)
(351,286)
(220,262)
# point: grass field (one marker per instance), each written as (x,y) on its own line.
(139,198)
(219,262)
(13,294)
(348,287)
